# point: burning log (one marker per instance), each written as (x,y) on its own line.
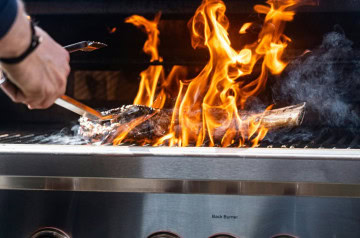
(141,124)
(290,116)
(205,111)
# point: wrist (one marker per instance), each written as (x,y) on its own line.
(16,41)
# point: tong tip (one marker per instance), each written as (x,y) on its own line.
(93,45)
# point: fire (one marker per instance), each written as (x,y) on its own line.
(150,76)
(244,28)
(112,30)
(209,108)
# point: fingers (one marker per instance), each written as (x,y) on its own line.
(48,95)
(43,98)
(49,98)
(13,92)
(41,78)
(38,96)
(17,96)
(67,56)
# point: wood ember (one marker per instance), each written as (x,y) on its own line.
(144,123)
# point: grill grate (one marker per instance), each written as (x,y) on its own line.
(39,134)
(17,138)
(325,139)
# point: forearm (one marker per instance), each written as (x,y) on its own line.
(17,38)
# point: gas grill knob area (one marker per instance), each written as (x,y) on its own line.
(231,236)
(171,235)
(222,236)
(283,236)
(49,232)
(163,234)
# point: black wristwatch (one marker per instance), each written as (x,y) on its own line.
(35,42)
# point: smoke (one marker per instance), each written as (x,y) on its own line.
(63,137)
(328,80)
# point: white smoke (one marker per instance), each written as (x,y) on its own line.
(328,79)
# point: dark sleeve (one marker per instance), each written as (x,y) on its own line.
(8,11)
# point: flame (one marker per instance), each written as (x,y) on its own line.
(150,76)
(208,108)
(112,30)
(244,28)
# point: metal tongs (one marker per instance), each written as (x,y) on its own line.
(70,103)
(81,109)
(86,46)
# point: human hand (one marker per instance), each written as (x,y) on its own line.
(41,77)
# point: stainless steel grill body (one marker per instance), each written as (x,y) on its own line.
(107,191)
(113,215)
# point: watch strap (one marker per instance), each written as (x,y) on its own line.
(35,41)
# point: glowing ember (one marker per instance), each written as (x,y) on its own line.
(112,30)
(208,108)
(244,28)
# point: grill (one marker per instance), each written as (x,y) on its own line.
(49,137)
(298,182)
(329,139)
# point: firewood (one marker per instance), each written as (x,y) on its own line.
(290,116)
(141,123)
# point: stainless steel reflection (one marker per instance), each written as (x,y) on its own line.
(49,232)
(152,189)
(236,171)
(279,153)
(135,185)
(163,234)
(227,164)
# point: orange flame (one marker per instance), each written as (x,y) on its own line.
(150,76)
(208,106)
(244,28)
(112,30)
